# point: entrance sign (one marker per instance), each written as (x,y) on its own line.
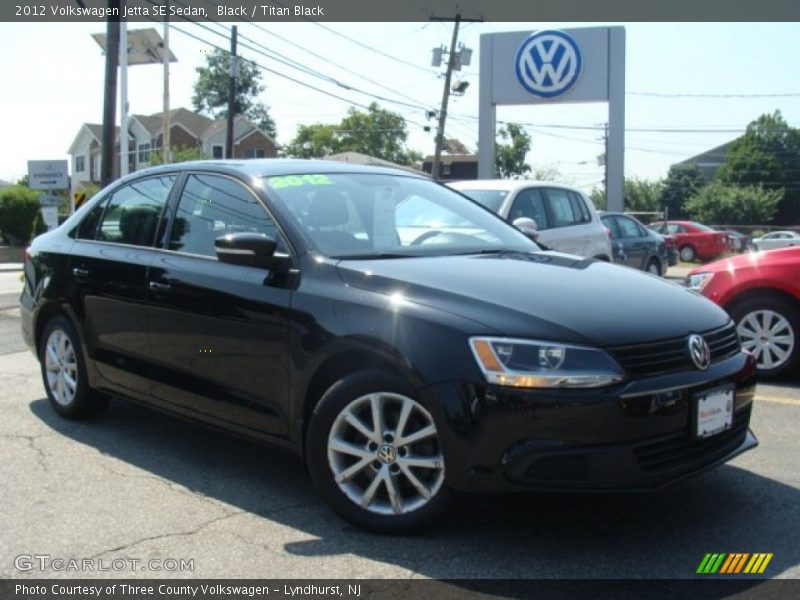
(549,67)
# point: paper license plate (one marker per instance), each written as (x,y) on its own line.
(714,411)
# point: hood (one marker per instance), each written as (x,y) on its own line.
(789,256)
(542,295)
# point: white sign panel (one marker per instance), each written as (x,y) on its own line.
(546,66)
(48,175)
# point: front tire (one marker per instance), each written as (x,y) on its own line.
(64,372)
(374,455)
(654,267)
(769,327)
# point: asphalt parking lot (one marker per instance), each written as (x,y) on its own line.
(136,484)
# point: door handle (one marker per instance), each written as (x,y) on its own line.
(161,288)
(80,274)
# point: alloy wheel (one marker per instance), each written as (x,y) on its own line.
(384,452)
(61,367)
(769,336)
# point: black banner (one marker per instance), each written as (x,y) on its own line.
(397,10)
(743,588)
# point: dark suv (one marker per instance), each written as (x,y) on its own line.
(401,338)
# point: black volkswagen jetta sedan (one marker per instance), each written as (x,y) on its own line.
(402,339)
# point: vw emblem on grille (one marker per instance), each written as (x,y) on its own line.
(387,454)
(548,63)
(699,351)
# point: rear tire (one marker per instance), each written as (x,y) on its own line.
(64,372)
(687,254)
(770,328)
(385,476)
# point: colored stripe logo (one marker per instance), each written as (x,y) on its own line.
(733,563)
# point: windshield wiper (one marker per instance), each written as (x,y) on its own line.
(373,256)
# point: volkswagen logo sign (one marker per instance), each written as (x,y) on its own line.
(387,454)
(699,352)
(548,63)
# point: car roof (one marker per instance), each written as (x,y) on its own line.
(268,167)
(508,185)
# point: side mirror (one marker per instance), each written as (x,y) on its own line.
(527,226)
(250,250)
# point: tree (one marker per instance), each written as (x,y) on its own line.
(509,158)
(18,208)
(211,91)
(179,154)
(768,154)
(723,204)
(375,132)
(641,195)
(598,198)
(313,141)
(683,181)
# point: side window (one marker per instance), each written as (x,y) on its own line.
(611,223)
(561,208)
(628,228)
(579,207)
(87,230)
(212,206)
(134,210)
(530,203)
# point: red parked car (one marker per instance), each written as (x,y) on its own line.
(761,291)
(695,240)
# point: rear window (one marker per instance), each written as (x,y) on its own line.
(702,227)
(491,199)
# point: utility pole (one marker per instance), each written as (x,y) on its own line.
(124,145)
(234,71)
(110,95)
(165,119)
(451,63)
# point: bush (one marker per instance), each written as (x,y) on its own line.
(18,209)
(731,204)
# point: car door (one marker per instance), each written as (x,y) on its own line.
(108,264)
(219,330)
(567,225)
(617,242)
(635,241)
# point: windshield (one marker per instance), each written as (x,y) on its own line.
(702,227)
(491,199)
(366,215)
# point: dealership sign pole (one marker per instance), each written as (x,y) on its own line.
(551,67)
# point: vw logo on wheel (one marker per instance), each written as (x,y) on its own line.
(548,63)
(699,351)
(387,454)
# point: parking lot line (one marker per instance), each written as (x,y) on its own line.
(779,400)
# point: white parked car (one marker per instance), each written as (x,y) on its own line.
(777,239)
(565,219)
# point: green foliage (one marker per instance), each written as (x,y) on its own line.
(722,204)
(18,208)
(211,91)
(39,227)
(23,181)
(682,182)
(598,198)
(546,173)
(641,195)
(509,157)
(179,154)
(768,154)
(376,132)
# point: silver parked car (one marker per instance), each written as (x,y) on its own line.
(777,239)
(564,219)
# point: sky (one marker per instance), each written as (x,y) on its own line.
(52,78)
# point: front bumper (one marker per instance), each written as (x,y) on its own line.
(635,436)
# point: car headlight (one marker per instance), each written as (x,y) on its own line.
(699,281)
(536,364)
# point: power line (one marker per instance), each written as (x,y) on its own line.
(682,95)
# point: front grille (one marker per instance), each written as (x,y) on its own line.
(669,356)
(680,451)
